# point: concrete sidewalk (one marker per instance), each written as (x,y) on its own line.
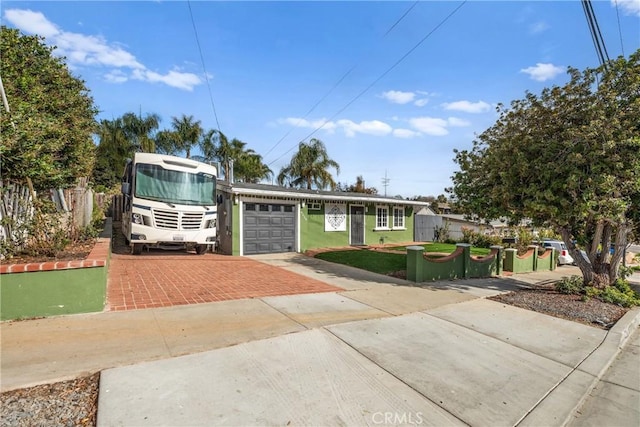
(375,354)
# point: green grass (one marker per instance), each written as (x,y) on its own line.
(384,262)
(377,262)
(446,248)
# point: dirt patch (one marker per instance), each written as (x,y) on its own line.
(66,403)
(73,251)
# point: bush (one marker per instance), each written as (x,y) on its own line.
(570,285)
(620,293)
(479,240)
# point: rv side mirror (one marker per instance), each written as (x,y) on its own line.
(219,199)
(126,188)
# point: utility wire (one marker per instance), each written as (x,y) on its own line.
(402,58)
(619,27)
(204,68)
(340,80)
(596,35)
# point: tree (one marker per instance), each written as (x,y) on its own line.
(140,131)
(186,134)
(358,187)
(309,167)
(250,167)
(111,154)
(47,135)
(568,158)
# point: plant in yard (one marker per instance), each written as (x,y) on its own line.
(567,159)
(570,285)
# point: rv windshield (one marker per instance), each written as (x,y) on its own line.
(153,182)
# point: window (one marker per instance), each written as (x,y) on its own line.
(398,217)
(314,206)
(382,217)
(250,207)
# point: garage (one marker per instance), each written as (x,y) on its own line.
(268,228)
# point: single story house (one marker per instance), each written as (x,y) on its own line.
(260,218)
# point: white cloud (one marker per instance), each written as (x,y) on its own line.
(629,7)
(543,72)
(405,133)
(538,27)
(456,122)
(31,22)
(398,97)
(304,123)
(421,102)
(373,127)
(116,76)
(94,51)
(173,78)
(430,125)
(468,106)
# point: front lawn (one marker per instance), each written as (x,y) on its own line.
(385,262)
(446,248)
(377,262)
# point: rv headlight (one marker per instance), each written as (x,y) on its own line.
(137,218)
(212,223)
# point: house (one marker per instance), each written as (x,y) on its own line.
(259,218)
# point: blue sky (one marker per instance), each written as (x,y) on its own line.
(401,84)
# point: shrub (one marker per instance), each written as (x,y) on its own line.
(478,239)
(620,293)
(570,285)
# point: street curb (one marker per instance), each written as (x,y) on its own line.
(603,356)
(560,406)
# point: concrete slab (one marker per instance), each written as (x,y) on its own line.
(314,310)
(557,339)
(477,378)
(209,326)
(610,405)
(559,406)
(323,382)
(343,276)
(625,371)
(398,300)
(57,348)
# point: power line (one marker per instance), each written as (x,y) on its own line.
(204,68)
(596,35)
(340,80)
(402,58)
(619,27)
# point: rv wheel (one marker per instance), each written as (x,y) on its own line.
(137,249)
(201,249)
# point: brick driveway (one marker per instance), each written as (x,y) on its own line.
(162,279)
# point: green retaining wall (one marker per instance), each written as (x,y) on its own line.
(530,261)
(458,265)
(51,293)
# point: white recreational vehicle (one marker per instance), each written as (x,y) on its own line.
(169,203)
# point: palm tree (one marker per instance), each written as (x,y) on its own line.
(139,130)
(250,168)
(186,133)
(309,167)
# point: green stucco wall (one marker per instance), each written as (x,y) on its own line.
(312,234)
(51,293)
(376,237)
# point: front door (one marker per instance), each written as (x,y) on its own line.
(357,225)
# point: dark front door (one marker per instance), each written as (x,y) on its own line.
(357,225)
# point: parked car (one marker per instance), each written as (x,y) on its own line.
(563,253)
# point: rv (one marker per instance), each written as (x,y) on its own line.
(169,203)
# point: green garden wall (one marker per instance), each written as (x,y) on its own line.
(458,265)
(529,262)
(51,293)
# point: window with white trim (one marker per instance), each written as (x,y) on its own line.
(382,217)
(398,217)
(314,206)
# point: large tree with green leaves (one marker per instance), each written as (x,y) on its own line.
(568,158)
(47,135)
(309,167)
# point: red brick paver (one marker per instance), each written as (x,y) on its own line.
(160,280)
